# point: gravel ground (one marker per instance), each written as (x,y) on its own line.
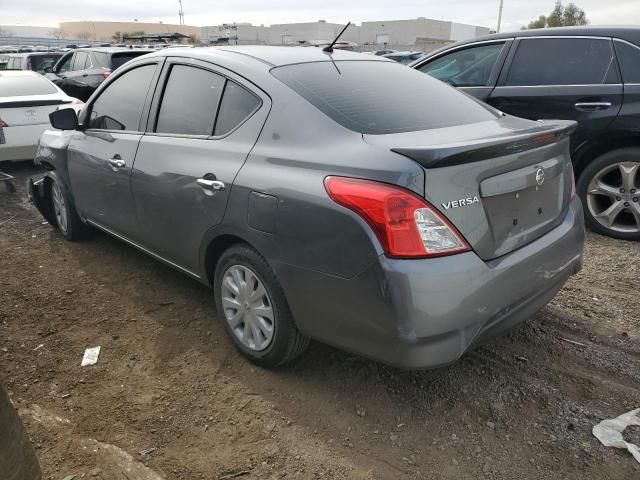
(170,385)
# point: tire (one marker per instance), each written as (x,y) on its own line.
(609,188)
(67,220)
(260,326)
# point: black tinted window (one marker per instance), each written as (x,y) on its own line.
(120,106)
(465,68)
(563,61)
(31,84)
(40,62)
(119,59)
(629,59)
(190,101)
(237,104)
(381,97)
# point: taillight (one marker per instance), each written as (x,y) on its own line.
(106,74)
(3,124)
(405,224)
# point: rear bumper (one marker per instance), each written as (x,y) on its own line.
(22,142)
(427,313)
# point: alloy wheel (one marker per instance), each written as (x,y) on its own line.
(247,307)
(613,197)
(59,206)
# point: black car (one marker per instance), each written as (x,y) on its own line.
(80,72)
(403,57)
(587,74)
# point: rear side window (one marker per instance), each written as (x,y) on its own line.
(80,61)
(470,67)
(31,84)
(190,101)
(120,105)
(629,59)
(237,104)
(119,59)
(379,97)
(15,63)
(563,61)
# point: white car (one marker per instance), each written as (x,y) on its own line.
(26,100)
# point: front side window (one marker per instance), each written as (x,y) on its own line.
(563,61)
(190,101)
(80,60)
(237,104)
(380,97)
(470,67)
(65,64)
(120,105)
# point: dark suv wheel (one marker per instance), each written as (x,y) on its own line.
(610,190)
(252,306)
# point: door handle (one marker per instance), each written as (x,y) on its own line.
(116,162)
(592,106)
(213,185)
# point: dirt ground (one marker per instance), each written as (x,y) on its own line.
(169,383)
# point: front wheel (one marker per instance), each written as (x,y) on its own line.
(252,306)
(610,190)
(67,219)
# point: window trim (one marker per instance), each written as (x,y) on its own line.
(504,74)
(145,106)
(507,44)
(154,110)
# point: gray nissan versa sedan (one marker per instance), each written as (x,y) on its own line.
(405,227)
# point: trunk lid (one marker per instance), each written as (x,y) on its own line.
(502,183)
(31,110)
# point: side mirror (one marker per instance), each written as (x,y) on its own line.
(64,119)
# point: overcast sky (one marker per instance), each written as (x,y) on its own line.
(213,12)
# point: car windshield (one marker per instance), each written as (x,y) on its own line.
(374,97)
(23,85)
(40,62)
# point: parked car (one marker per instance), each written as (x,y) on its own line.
(4,59)
(405,227)
(36,61)
(26,100)
(404,58)
(383,52)
(587,74)
(81,71)
(18,459)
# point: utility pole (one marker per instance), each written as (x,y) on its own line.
(180,13)
(499,16)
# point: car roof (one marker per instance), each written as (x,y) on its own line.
(268,55)
(104,49)
(19,73)
(30,54)
(629,33)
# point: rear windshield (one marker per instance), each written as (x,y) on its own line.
(374,97)
(21,85)
(40,62)
(119,59)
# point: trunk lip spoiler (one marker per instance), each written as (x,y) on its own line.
(448,155)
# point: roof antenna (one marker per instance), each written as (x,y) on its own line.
(329,48)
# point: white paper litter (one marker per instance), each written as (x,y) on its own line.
(609,432)
(90,356)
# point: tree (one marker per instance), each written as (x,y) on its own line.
(84,35)
(561,16)
(56,33)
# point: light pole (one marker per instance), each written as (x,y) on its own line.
(499,16)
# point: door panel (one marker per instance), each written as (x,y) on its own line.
(562,78)
(181,183)
(101,189)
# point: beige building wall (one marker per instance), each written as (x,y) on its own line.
(104,31)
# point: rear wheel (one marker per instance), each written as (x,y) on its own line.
(252,306)
(610,190)
(67,219)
